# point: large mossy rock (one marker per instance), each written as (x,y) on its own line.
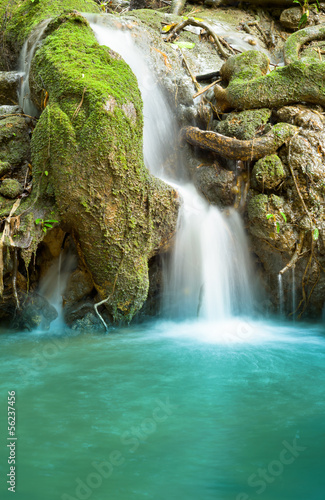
(18,19)
(89,142)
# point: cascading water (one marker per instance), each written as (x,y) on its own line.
(54,282)
(24,63)
(208,274)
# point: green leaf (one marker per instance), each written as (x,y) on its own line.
(198,19)
(284,216)
(53,221)
(46,173)
(44,229)
(184,45)
(48,225)
(278,227)
(315,234)
(38,221)
(269,216)
(303,20)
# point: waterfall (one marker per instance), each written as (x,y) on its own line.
(208,274)
(55,280)
(24,63)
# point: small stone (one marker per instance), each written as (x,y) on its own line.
(245,124)
(268,172)
(290,18)
(10,188)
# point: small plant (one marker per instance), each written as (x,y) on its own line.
(277,223)
(306,6)
(46,223)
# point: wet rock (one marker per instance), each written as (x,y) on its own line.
(89,323)
(14,140)
(9,110)
(216,184)
(79,286)
(290,18)
(267,222)
(245,124)
(301,116)
(36,312)
(9,83)
(267,173)
(10,188)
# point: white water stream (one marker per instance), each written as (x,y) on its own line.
(209,273)
(24,63)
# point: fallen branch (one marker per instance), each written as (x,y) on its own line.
(192,22)
(235,149)
(296,254)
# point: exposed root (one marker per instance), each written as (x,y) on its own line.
(14,278)
(296,254)
(78,108)
(296,184)
(6,240)
(235,149)
(297,40)
(192,22)
(109,297)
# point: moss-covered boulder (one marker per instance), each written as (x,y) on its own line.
(10,188)
(89,141)
(268,172)
(4,168)
(14,140)
(245,124)
(20,18)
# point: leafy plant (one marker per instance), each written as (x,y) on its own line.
(277,223)
(46,223)
(306,6)
(315,234)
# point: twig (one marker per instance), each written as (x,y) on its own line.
(206,88)
(78,108)
(196,84)
(296,254)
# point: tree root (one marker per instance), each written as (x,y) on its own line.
(107,298)
(297,40)
(5,239)
(296,254)
(235,149)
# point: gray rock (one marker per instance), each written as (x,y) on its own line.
(9,84)
(10,188)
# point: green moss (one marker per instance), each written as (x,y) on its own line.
(268,172)
(257,206)
(243,125)
(19,19)
(10,188)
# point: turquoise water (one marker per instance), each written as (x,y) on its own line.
(231,411)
